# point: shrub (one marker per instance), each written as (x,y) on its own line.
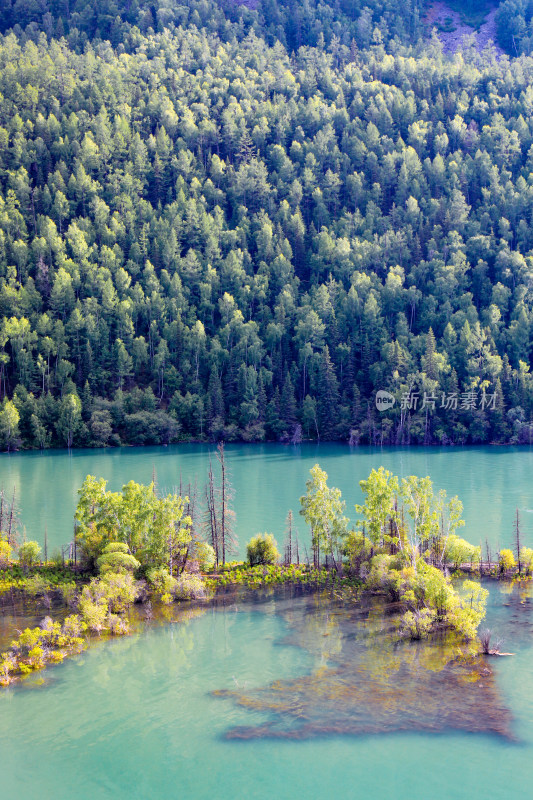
(459,551)
(357,548)
(384,575)
(73,627)
(7,665)
(118,625)
(418,624)
(189,587)
(5,553)
(119,591)
(117,558)
(28,554)
(205,555)
(262,549)
(526,557)
(470,610)
(161,581)
(68,593)
(36,586)
(94,612)
(113,592)
(506,560)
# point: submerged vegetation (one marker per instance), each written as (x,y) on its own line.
(368,684)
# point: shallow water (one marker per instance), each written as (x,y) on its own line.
(143,717)
(269,480)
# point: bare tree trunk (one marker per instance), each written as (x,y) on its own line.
(12,520)
(211,523)
(222,461)
(227,539)
(517,542)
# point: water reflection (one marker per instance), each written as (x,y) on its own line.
(367,681)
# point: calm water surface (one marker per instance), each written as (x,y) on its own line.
(156,715)
(269,480)
(138,717)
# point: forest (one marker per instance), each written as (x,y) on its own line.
(225,223)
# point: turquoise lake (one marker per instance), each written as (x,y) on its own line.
(269,479)
(137,718)
(276,697)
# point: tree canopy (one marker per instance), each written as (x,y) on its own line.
(225,223)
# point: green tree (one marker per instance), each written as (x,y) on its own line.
(69,418)
(323,510)
(262,549)
(9,425)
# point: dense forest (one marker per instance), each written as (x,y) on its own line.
(219,222)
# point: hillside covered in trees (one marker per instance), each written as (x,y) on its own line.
(218,222)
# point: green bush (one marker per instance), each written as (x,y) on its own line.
(418,624)
(526,557)
(262,549)
(205,555)
(117,558)
(5,553)
(161,581)
(189,587)
(506,560)
(113,593)
(29,553)
(36,586)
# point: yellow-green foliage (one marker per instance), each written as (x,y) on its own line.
(117,558)
(262,549)
(357,548)
(429,596)
(526,558)
(36,586)
(162,582)
(205,555)
(28,554)
(5,553)
(153,528)
(113,593)
(94,611)
(189,587)
(506,560)
(419,624)
(470,609)
(385,574)
(68,592)
(239,574)
(118,625)
(35,646)
(458,551)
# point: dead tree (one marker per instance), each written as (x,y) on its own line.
(489,555)
(517,542)
(288,539)
(210,515)
(189,495)
(9,517)
(226,514)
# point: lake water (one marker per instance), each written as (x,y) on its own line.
(283,697)
(269,480)
(280,698)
